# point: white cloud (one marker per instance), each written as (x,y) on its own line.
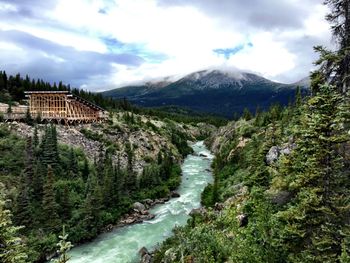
(185,34)
(267,56)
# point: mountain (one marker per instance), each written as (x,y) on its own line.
(211,91)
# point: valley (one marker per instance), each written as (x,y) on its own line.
(123,244)
(215,166)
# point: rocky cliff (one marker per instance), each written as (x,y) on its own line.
(146,135)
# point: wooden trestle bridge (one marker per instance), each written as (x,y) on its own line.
(57,106)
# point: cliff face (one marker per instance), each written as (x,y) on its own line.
(147,137)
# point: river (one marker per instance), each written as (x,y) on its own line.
(122,244)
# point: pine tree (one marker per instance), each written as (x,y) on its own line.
(131,178)
(92,205)
(38,182)
(334,66)
(66,205)
(35,138)
(86,170)
(28,118)
(246,115)
(339,17)
(298,97)
(49,147)
(100,164)
(12,249)
(22,209)
(50,207)
(311,223)
(107,184)
(73,162)
(64,247)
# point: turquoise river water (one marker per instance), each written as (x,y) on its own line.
(122,244)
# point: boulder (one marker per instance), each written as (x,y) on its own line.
(198,211)
(144,212)
(146,259)
(219,206)
(109,227)
(143,251)
(174,194)
(203,155)
(276,151)
(242,220)
(145,255)
(148,201)
(138,206)
(281,197)
(272,155)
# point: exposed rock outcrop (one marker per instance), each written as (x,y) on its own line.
(198,211)
(138,207)
(146,256)
(221,137)
(280,197)
(276,151)
(174,194)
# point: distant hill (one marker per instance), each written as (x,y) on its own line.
(211,91)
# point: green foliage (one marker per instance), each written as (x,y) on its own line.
(207,197)
(308,224)
(50,216)
(12,249)
(64,246)
(246,115)
(52,184)
(311,223)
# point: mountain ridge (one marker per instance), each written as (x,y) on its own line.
(211,91)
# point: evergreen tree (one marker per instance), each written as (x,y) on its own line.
(35,138)
(38,182)
(64,247)
(246,115)
(22,209)
(73,162)
(335,65)
(298,97)
(50,207)
(28,118)
(49,147)
(131,178)
(29,163)
(311,224)
(12,249)
(107,184)
(66,205)
(92,205)
(100,164)
(339,17)
(86,170)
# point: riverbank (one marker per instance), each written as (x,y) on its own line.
(123,243)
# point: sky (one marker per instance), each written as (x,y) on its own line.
(103,44)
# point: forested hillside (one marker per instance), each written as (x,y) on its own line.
(48,185)
(281,190)
(84,177)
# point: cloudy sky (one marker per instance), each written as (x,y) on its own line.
(103,44)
